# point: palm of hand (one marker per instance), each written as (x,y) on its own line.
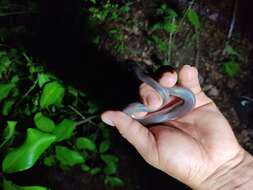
(190,148)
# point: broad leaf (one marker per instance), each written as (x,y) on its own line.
(8,185)
(85,144)
(42,79)
(68,157)
(49,161)
(93,107)
(52,94)
(25,156)
(108,158)
(8,132)
(193,18)
(231,68)
(43,123)
(231,51)
(170,27)
(64,130)
(7,105)
(110,168)
(5,89)
(104,146)
(95,171)
(113,181)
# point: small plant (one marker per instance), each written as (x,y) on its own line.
(231,67)
(103,12)
(51,138)
(168,27)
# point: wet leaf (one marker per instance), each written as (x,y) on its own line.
(25,156)
(68,157)
(43,123)
(64,130)
(52,94)
(85,144)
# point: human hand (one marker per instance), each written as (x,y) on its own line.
(199,149)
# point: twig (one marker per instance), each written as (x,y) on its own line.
(87,120)
(232,24)
(169,58)
(77,112)
(197,49)
(185,13)
(15,13)
(26,94)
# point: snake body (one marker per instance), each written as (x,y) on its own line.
(167,111)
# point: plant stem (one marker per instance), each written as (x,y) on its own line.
(26,94)
(77,112)
(87,120)
(232,24)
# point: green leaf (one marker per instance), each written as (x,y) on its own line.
(93,107)
(52,94)
(85,168)
(113,181)
(8,132)
(231,51)
(104,146)
(231,68)
(43,123)
(170,27)
(68,157)
(93,1)
(25,156)
(49,161)
(95,171)
(5,89)
(64,130)
(110,168)
(108,158)
(8,185)
(7,107)
(85,144)
(42,79)
(156,27)
(193,18)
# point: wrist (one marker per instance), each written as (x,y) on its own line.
(237,173)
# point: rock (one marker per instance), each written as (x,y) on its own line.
(213,92)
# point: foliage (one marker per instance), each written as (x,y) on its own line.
(28,93)
(231,66)
(193,18)
(102,12)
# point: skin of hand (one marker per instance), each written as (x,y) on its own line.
(199,149)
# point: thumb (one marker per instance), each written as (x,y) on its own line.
(135,133)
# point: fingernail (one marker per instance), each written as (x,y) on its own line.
(107,120)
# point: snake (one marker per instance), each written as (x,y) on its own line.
(176,102)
